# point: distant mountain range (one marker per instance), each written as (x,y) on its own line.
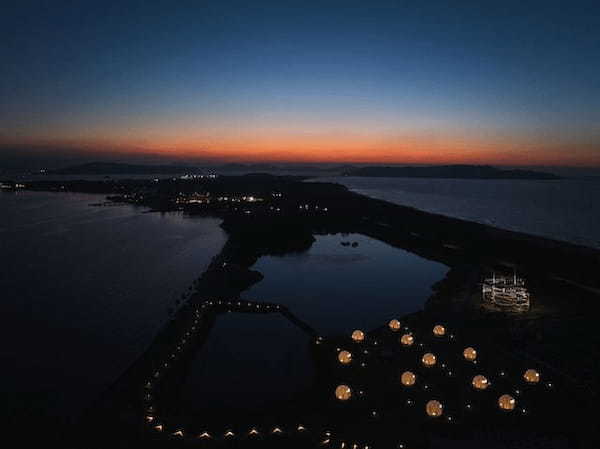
(440,171)
(117,168)
(449,171)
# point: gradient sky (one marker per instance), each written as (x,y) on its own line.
(510,83)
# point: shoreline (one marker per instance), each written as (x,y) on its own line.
(528,207)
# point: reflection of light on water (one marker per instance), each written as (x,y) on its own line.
(506,292)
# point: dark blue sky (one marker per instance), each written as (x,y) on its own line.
(500,82)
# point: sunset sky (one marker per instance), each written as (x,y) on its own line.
(508,83)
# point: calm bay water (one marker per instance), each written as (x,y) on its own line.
(566,209)
(336,288)
(85,289)
(249,362)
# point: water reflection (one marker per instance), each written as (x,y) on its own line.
(338,286)
(85,289)
(248,361)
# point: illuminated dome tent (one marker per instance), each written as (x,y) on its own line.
(345,357)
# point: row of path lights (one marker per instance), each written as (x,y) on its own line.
(152,418)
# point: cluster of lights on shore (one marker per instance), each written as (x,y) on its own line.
(434,408)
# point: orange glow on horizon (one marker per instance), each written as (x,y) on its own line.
(340,148)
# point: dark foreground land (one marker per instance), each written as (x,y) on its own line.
(275,215)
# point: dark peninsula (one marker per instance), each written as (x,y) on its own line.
(449,171)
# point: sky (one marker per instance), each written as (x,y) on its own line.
(408,82)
